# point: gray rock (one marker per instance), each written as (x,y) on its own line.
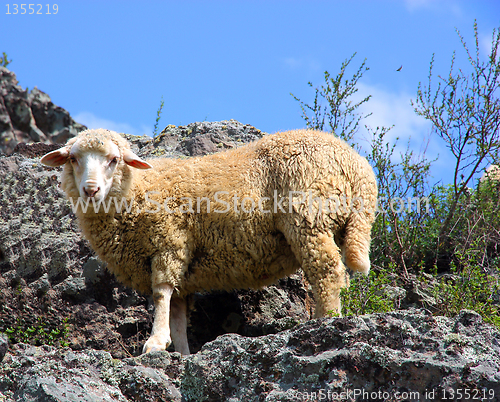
(49,374)
(394,293)
(41,285)
(379,354)
(276,308)
(420,294)
(195,139)
(50,280)
(42,255)
(78,388)
(93,270)
(198,146)
(389,353)
(30,116)
(72,287)
(4,345)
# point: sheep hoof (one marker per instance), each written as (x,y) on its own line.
(152,348)
(154,345)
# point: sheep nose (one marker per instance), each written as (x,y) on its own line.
(91,191)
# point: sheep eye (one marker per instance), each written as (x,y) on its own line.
(72,159)
(114,161)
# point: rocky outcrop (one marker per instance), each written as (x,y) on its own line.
(405,355)
(196,139)
(30,116)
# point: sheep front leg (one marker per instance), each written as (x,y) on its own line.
(160,336)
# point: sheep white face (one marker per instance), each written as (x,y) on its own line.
(93,171)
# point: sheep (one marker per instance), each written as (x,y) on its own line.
(242,218)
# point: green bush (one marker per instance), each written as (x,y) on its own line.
(39,334)
(469,288)
(4,61)
(370,294)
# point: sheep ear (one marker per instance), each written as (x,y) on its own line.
(56,158)
(133,160)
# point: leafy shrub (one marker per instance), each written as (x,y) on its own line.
(375,293)
(4,61)
(39,334)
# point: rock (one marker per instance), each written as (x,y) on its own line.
(249,312)
(93,270)
(30,116)
(49,374)
(4,345)
(419,294)
(406,351)
(198,146)
(394,293)
(42,285)
(196,139)
(34,150)
(385,356)
(42,255)
(252,345)
(277,308)
(72,288)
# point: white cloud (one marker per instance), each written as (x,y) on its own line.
(450,6)
(394,109)
(92,121)
(415,4)
(295,63)
(486,45)
(390,108)
(292,62)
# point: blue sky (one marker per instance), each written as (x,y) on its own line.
(110,62)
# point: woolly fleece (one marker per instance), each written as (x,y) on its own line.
(194,251)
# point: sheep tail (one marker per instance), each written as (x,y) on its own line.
(357,244)
(357,235)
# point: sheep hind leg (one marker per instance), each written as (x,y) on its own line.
(160,335)
(322,264)
(178,325)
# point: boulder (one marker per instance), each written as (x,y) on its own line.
(404,355)
(30,116)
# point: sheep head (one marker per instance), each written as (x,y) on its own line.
(95,164)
